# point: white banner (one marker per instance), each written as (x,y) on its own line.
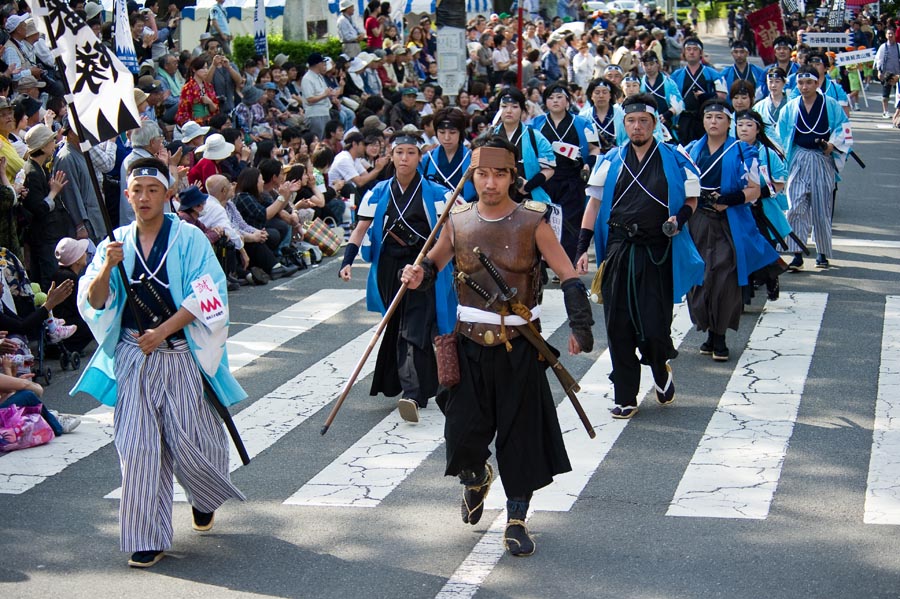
(826,40)
(259,30)
(451,57)
(855,57)
(101,89)
(124,41)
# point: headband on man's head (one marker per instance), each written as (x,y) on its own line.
(486,157)
(639,107)
(614,67)
(693,42)
(717,107)
(149,171)
(807,76)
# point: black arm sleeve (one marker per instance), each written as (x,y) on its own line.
(735,198)
(683,215)
(350,253)
(584,241)
(536,181)
(579,310)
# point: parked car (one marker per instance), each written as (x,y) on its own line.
(620,5)
(594,6)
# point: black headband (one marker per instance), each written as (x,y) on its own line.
(639,107)
(717,108)
(411,140)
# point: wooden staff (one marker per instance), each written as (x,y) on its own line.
(396,301)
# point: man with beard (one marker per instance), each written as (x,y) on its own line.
(635,191)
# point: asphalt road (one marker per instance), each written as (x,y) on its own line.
(781,435)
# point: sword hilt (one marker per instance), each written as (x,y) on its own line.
(474,286)
(507,294)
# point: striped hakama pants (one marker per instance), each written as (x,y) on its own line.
(810,190)
(164,426)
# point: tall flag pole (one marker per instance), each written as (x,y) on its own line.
(123,40)
(259,30)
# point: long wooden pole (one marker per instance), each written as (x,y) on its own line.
(395,302)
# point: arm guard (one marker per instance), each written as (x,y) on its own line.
(429,274)
(585,236)
(536,181)
(579,310)
(350,253)
(735,198)
(683,215)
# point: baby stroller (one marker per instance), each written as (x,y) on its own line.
(67,359)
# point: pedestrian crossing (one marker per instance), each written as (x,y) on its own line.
(23,470)
(734,472)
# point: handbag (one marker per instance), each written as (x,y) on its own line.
(323,237)
(22,427)
(447,356)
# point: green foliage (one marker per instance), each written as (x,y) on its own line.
(242,48)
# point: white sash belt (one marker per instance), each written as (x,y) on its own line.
(470,314)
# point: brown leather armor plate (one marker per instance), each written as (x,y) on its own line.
(510,244)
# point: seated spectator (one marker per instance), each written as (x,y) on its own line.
(215,150)
(348,166)
(250,203)
(22,392)
(250,113)
(191,203)
(274,186)
(257,260)
(239,159)
(71,256)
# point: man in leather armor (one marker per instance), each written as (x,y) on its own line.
(503,388)
(395,218)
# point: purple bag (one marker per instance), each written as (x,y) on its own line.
(22,427)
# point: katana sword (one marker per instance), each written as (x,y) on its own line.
(507,293)
(531,334)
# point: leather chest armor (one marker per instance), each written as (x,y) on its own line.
(510,244)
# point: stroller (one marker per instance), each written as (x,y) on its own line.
(22,296)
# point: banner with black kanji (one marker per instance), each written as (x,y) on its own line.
(101,89)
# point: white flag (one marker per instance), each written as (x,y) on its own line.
(101,90)
(123,40)
(259,30)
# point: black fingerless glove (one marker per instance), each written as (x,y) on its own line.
(735,198)
(350,253)
(429,274)
(536,181)
(584,241)
(579,310)
(683,215)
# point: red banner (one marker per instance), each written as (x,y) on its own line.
(767,24)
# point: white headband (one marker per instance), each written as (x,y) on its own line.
(149,172)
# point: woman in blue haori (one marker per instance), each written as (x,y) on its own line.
(448,163)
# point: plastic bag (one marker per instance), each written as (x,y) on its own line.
(22,427)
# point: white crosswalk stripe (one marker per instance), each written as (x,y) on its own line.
(374,466)
(22,470)
(883,485)
(735,469)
